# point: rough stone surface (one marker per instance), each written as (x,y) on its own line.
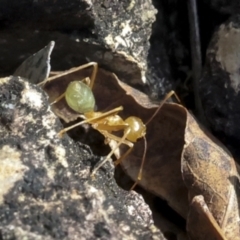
(119,29)
(142,41)
(168,56)
(225,6)
(46,191)
(139,44)
(220,84)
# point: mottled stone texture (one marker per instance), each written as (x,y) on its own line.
(45,188)
(220,84)
(113,33)
(224,6)
(142,41)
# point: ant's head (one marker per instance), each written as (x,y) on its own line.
(136,129)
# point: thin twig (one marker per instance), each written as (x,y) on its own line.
(196,56)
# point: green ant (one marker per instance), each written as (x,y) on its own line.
(80,98)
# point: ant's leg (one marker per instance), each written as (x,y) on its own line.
(139,176)
(94,73)
(170,94)
(91,64)
(93,119)
(58,98)
(120,141)
(56,73)
(130,145)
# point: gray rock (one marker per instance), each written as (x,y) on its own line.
(220,84)
(113,33)
(224,6)
(45,188)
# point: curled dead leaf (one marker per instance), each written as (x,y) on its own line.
(162,171)
(200,222)
(209,170)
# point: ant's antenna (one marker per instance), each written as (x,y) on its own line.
(90,64)
(139,176)
(161,104)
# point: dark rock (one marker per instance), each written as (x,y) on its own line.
(168,57)
(47,15)
(113,33)
(45,188)
(225,6)
(220,84)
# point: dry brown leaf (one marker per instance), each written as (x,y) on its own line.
(162,169)
(178,148)
(200,222)
(209,170)
(165,135)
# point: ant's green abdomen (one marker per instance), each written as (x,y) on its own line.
(79,97)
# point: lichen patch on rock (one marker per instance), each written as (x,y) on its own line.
(228,54)
(11,169)
(32,98)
